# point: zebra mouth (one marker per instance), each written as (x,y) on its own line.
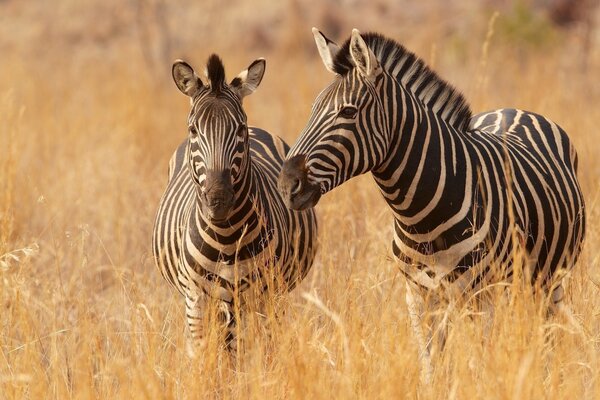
(216,214)
(295,187)
(216,220)
(303,201)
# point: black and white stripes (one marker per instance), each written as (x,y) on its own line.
(222,228)
(465,191)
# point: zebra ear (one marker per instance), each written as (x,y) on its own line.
(363,57)
(186,79)
(247,81)
(327,49)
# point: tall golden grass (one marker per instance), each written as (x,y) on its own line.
(87,127)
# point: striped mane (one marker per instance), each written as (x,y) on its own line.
(215,71)
(413,74)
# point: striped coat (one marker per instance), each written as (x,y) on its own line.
(469,194)
(465,191)
(222,227)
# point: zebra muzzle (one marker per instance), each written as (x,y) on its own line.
(297,191)
(217,207)
(218,197)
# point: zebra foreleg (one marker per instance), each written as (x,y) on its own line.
(559,308)
(227,325)
(194,313)
(437,332)
(223,317)
(416,308)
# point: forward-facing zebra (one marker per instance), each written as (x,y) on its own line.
(466,191)
(222,227)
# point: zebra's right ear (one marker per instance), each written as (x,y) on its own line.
(327,49)
(186,79)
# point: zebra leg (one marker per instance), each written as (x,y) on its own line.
(439,325)
(558,307)
(488,311)
(195,305)
(415,306)
(227,324)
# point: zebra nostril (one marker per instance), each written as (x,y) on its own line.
(296,185)
(218,201)
(293,175)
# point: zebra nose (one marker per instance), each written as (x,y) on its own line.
(295,189)
(295,185)
(293,173)
(217,205)
(220,201)
(218,195)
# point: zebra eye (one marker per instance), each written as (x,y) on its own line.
(348,112)
(193,131)
(241,130)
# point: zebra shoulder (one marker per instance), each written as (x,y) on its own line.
(265,143)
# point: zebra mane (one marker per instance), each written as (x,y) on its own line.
(412,73)
(215,71)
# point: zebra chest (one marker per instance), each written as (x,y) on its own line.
(231,258)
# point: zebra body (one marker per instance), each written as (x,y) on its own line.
(504,186)
(464,191)
(467,192)
(221,227)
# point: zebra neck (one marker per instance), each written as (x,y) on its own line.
(426,166)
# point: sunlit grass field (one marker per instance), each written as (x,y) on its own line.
(89,117)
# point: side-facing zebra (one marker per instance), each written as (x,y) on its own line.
(466,191)
(222,228)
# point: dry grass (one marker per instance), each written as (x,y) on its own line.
(87,129)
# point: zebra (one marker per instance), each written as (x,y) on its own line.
(466,191)
(222,227)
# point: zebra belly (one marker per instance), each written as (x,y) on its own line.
(537,212)
(431,270)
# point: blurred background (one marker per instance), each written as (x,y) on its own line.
(89,117)
(86,85)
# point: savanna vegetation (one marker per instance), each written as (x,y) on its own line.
(89,117)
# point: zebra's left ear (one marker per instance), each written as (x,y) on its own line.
(363,57)
(248,80)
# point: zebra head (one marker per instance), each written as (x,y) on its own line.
(346,133)
(217,151)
